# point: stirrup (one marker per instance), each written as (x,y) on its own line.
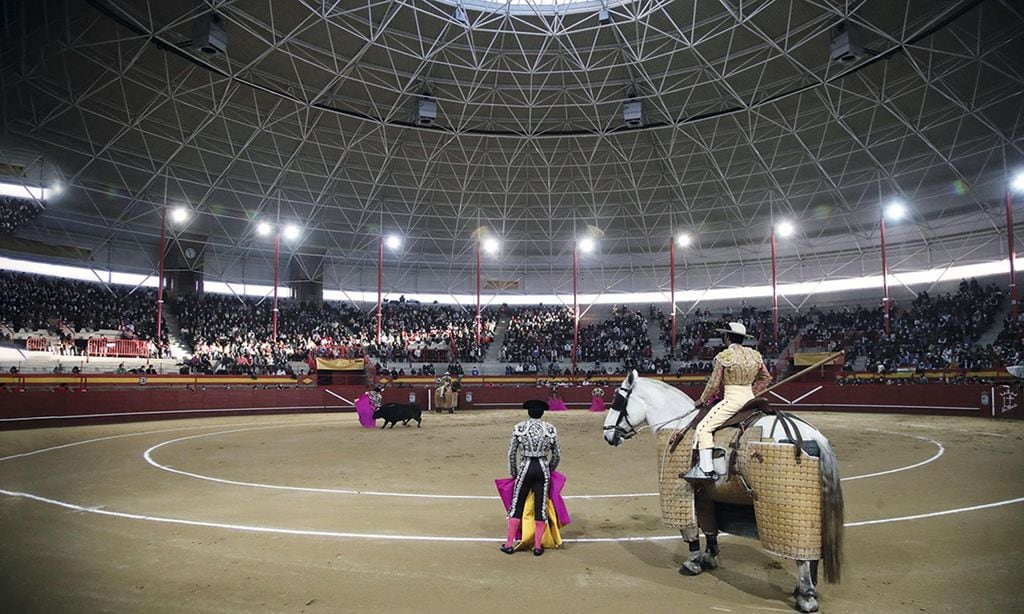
(696,474)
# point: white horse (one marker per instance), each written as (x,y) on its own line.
(652,403)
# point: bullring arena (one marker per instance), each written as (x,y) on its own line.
(232,232)
(312,513)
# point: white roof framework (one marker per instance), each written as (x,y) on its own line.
(310,117)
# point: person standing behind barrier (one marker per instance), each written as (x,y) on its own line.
(555,402)
(536,441)
(739,373)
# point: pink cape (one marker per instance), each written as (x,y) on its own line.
(364,407)
(507,485)
(556,405)
(597,404)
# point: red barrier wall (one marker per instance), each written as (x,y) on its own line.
(45,408)
(1000,401)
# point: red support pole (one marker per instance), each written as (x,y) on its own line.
(160,282)
(1013,256)
(775,294)
(277,264)
(380,286)
(885,282)
(478,297)
(575,309)
(672,286)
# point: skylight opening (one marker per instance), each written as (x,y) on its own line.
(532,7)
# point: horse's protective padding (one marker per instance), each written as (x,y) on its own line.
(787,501)
(445,400)
(677,497)
(677,506)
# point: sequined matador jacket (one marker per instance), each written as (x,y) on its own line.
(531,439)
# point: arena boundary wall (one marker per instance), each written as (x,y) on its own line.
(43,408)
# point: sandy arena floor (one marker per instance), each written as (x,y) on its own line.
(271,513)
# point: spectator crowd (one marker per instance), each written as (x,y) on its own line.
(15,213)
(934,332)
(66,309)
(230,334)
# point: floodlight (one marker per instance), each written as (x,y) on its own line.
(393,241)
(179,214)
(264,228)
(785,228)
(684,240)
(491,245)
(291,232)
(586,245)
(1017,185)
(895,210)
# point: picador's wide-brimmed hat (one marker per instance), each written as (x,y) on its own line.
(535,404)
(735,328)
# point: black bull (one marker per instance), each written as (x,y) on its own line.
(395,412)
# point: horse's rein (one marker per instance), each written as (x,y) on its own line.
(658,425)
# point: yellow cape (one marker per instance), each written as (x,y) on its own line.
(552,535)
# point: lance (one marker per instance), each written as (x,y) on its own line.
(828,358)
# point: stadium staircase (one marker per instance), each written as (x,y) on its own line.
(491,355)
(658,346)
(179,350)
(989,336)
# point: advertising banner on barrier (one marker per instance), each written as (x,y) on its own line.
(339,364)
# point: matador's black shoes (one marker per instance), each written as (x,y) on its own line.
(511,549)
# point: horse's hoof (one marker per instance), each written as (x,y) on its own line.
(808,604)
(708,562)
(690,568)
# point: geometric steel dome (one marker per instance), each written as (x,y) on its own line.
(311,116)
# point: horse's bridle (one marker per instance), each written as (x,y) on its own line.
(619,404)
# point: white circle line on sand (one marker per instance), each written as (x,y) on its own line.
(942,450)
(432,538)
(139,434)
(384,536)
(147,455)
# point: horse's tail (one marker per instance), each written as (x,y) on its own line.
(831,515)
